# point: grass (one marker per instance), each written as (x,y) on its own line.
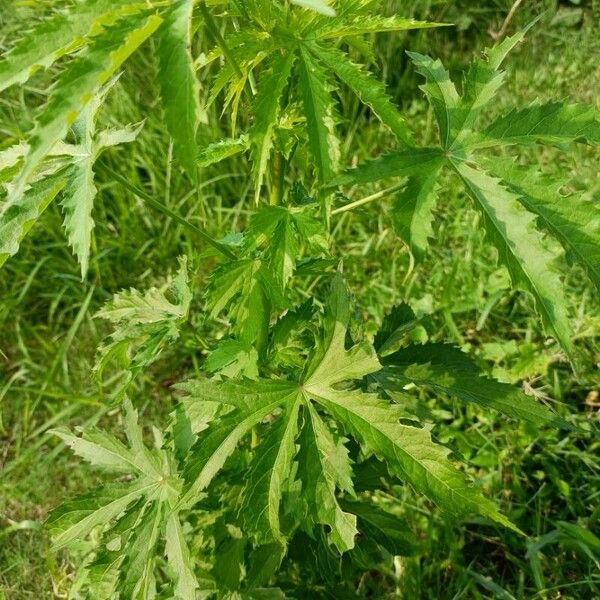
(545,481)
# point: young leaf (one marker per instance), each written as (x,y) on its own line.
(144,325)
(265,114)
(318,108)
(320,6)
(180,89)
(247,290)
(221,150)
(280,230)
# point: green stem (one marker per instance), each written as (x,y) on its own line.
(278,179)
(367,199)
(177,218)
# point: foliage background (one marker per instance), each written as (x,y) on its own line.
(541,479)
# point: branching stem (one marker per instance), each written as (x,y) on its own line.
(177,218)
(367,199)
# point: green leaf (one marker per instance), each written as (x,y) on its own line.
(246,288)
(178,555)
(405,163)
(137,576)
(320,118)
(78,85)
(320,6)
(144,325)
(552,123)
(413,211)
(99,449)
(408,450)
(280,230)
(269,471)
(266,111)
(130,518)
(384,528)
(324,466)
(78,202)
(520,248)
(76,518)
(20,213)
(441,93)
(481,83)
(62,34)
(370,91)
(233,358)
(221,150)
(370,24)
(446,369)
(395,326)
(252,401)
(573,221)
(179,86)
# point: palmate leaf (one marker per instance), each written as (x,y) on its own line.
(504,205)
(179,86)
(78,85)
(279,231)
(61,34)
(324,465)
(408,450)
(248,292)
(446,369)
(130,518)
